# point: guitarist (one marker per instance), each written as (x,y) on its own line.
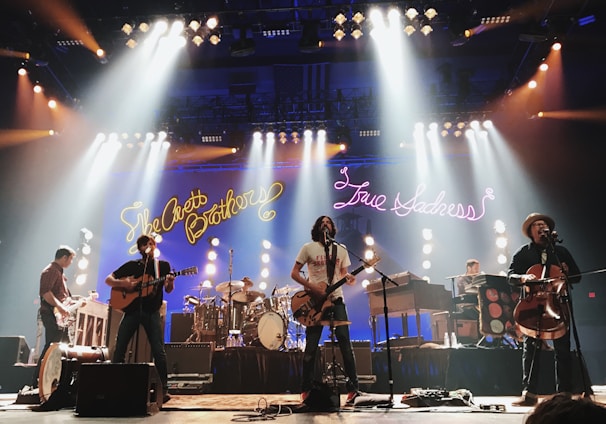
(143,310)
(325,261)
(54,294)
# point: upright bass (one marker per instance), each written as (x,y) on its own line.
(544,312)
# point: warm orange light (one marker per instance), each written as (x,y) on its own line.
(556,46)
(22,71)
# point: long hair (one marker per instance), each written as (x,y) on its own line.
(316,230)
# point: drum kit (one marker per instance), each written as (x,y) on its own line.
(239,316)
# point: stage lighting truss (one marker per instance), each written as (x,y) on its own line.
(289,132)
(195,30)
(344,25)
(415,21)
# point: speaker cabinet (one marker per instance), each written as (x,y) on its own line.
(13,349)
(189,358)
(181,327)
(118,390)
(361,351)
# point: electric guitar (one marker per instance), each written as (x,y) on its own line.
(121,297)
(64,321)
(309,310)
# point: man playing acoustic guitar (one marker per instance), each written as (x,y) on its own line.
(144,309)
(326,262)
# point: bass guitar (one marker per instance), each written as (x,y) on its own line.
(121,297)
(72,306)
(309,310)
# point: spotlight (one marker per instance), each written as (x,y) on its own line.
(340,19)
(431,13)
(356,31)
(127,28)
(212,22)
(411,13)
(358,17)
(197,40)
(194,25)
(215,37)
(339,32)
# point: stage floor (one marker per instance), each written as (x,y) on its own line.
(243,408)
(228,408)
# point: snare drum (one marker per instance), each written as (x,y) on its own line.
(54,368)
(268,329)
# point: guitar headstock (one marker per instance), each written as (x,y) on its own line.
(192,270)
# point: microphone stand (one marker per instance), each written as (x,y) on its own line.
(552,239)
(384,280)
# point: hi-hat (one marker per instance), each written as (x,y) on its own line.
(247,296)
(224,286)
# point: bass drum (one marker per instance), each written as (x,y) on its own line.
(54,365)
(268,329)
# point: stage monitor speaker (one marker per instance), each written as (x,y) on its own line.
(181,327)
(13,349)
(362,353)
(118,390)
(189,358)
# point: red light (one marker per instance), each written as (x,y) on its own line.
(591,295)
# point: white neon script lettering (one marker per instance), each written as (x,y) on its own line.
(360,196)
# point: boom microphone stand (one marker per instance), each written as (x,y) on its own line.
(384,280)
(552,239)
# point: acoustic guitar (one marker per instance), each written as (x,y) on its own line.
(121,297)
(309,310)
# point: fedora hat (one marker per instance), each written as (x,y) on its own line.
(535,216)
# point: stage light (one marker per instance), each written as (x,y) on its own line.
(52,103)
(144,27)
(197,40)
(37,88)
(22,71)
(131,43)
(127,28)
(426,30)
(212,22)
(340,19)
(409,30)
(356,31)
(411,13)
(358,17)
(215,37)
(339,32)
(194,25)
(431,13)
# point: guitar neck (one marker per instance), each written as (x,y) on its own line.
(343,280)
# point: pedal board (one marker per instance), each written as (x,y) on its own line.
(189,384)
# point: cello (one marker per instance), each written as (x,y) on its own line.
(543,313)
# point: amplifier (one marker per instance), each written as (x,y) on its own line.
(362,353)
(189,358)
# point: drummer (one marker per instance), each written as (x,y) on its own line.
(469,310)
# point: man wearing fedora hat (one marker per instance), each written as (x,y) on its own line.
(542,250)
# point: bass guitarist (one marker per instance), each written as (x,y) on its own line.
(326,262)
(145,309)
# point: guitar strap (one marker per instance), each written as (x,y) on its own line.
(331,261)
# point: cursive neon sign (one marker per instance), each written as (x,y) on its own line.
(196,214)
(362,196)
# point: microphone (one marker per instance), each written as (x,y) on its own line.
(147,250)
(326,236)
(273,293)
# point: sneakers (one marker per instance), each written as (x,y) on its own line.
(527,399)
(351,397)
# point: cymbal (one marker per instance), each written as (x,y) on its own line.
(334,323)
(224,286)
(247,296)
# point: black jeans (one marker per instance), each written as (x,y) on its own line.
(563,364)
(312,339)
(52,334)
(152,323)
